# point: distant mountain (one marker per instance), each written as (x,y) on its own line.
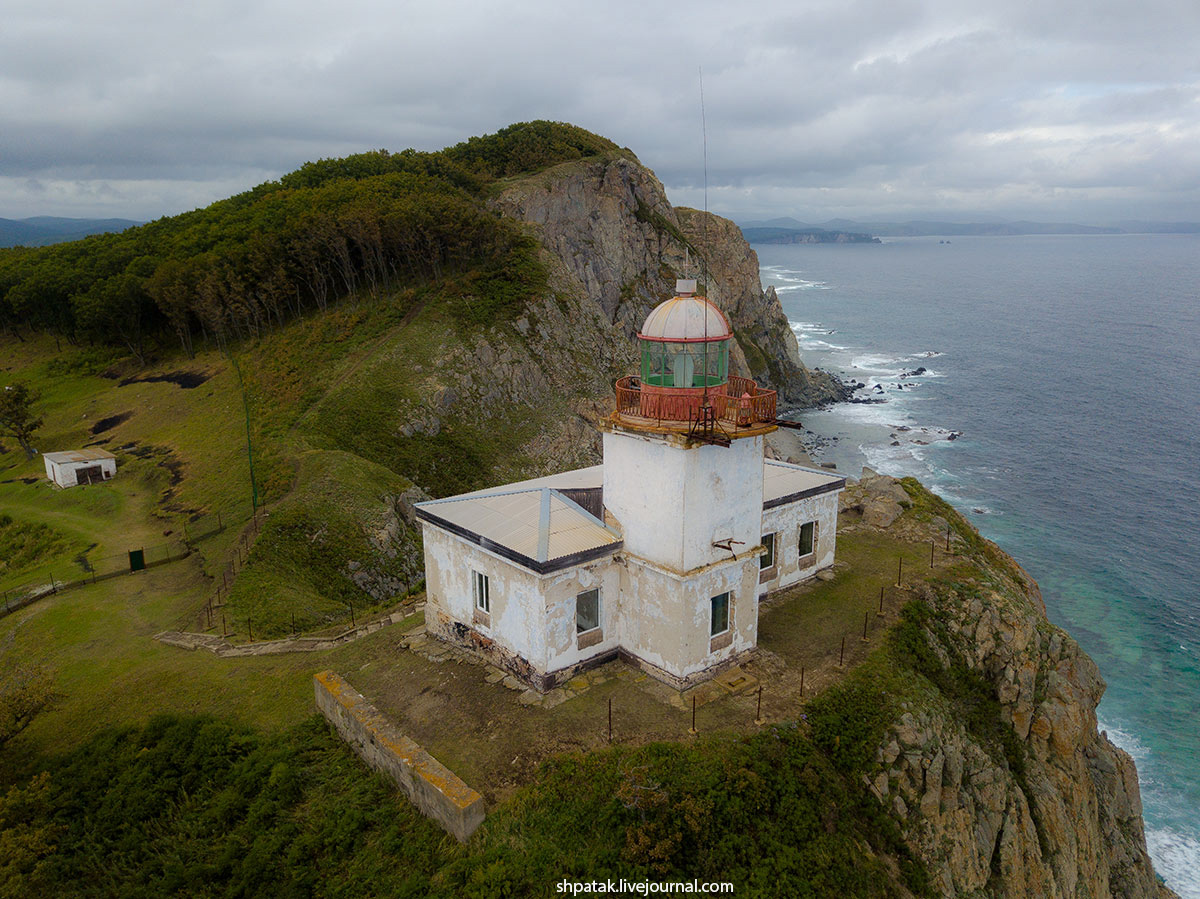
(805,235)
(45,229)
(957,229)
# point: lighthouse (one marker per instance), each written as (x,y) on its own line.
(658,556)
(683,482)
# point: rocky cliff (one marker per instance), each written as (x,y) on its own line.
(999,776)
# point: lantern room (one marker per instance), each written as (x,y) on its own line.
(684,342)
(684,380)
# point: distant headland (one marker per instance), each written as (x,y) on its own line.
(790,230)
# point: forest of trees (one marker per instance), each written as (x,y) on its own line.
(332,228)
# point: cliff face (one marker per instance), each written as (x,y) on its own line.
(1056,811)
(617,244)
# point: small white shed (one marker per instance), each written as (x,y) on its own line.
(75,467)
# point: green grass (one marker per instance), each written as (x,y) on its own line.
(313,541)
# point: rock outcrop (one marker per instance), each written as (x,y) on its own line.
(1070,824)
(1034,801)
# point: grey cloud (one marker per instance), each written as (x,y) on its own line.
(1065,109)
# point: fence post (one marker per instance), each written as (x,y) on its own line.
(880,612)
(842,654)
(693,727)
(932,547)
(900,572)
(865,616)
(801,681)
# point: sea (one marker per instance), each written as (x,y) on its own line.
(1043,385)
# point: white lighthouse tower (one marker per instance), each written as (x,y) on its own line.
(683,481)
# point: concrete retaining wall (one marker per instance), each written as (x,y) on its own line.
(433,788)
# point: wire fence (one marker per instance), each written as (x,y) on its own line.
(87,568)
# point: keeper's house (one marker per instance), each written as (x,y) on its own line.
(76,467)
(659,555)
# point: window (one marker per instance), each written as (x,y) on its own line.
(479,589)
(808,532)
(720,614)
(767,559)
(587,611)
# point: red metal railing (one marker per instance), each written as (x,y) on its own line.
(740,402)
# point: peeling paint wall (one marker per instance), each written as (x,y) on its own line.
(673,501)
(562,588)
(785,522)
(517,617)
(671,627)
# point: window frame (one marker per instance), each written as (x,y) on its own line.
(767,560)
(712,614)
(812,539)
(481,589)
(595,592)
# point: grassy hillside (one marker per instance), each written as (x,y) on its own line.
(291,347)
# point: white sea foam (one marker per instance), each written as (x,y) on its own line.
(1176,858)
(1125,740)
(802,285)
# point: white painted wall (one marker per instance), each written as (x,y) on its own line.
(673,501)
(517,604)
(785,522)
(561,589)
(532,615)
(66,473)
(670,627)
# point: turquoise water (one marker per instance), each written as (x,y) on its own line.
(1065,363)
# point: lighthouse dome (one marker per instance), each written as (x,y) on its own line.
(686,318)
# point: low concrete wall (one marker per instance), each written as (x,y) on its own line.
(433,788)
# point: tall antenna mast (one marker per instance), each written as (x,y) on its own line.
(704,221)
(704,235)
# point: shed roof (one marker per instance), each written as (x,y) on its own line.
(83,455)
(785,483)
(538,528)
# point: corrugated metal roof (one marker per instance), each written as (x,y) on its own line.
(83,455)
(782,480)
(538,524)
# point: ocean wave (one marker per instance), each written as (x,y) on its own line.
(1125,740)
(803,285)
(1176,858)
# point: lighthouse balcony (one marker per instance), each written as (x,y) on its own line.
(737,405)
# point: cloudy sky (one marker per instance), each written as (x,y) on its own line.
(1055,110)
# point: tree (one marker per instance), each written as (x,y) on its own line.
(16,415)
